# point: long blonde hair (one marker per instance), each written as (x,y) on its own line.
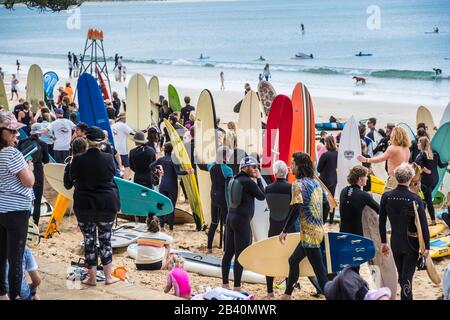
(399,137)
(425,146)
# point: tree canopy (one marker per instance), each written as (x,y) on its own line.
(44,5)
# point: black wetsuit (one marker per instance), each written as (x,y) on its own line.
(397,206)
(185,111)
(327,169)
(429,181)
(169,184)
(40,157)
(351,205)
(220,175)
(238,234)
(141,158)
(278,197)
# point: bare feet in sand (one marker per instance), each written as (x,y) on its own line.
(238,289)
(111,280)
(89,282)
(285,297)
(270,296)
(226,286)
(4,297)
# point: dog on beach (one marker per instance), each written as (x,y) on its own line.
(360,79)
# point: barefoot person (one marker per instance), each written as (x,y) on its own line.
(308,204)
(95,203)
(396,154)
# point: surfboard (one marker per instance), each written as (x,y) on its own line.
(267,94)
(277,138)
(127,234)
(424,115)
(349,150)
(205,148)
(445,116)
(59,209)
(376,185)
(153,91)
(138,101)
(436,229)
(46,208)
(440,247)
(3,96)
(260,222)
(183,217)
(269,257)
(35,87)
(174,98)
(102,84)
(409,130)
(249,129)
(440,143)
(189,180)
(330,126)
(382,267)
(205,265)
(92,108)
(431,270)
(309,129)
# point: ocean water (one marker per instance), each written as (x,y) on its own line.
(166,38)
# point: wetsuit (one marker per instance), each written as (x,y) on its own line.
(278,197)
(39,158)
(141,158)
(429,181)
(309,202)
(169,184)
(367,165)
(397,206)
(351,205)
(327,169)
(220,175)
(238,234)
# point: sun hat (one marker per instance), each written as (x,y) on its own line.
(248,161)
(139,137)
(37,128)
(95,134)
(9,121)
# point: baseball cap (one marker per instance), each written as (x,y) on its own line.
(95,134)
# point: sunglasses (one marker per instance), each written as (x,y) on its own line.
(254,167)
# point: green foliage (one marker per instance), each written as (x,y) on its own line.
(45,5)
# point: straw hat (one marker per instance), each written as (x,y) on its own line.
(139,137)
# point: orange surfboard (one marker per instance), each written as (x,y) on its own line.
(59,209)
(298,124)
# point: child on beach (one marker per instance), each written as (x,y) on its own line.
(178,278)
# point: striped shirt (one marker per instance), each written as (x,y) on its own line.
(150,247)
(13,195)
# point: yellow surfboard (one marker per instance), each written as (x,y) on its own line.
(189,181)
(35,86)
(59,209)
(440,247)
(377,185)
(3,97)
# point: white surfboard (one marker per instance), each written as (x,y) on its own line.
(153,90)
(138,105)
(35,86)
(260,223)
(349,150)
(249,129)
(54,173)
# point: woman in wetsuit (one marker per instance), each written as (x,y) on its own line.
(238,234)
(327,169)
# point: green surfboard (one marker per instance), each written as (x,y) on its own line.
(174,99)
(440,143)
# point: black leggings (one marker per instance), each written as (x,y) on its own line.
(315,258)
(238,236)
(406,266)
(218,214)
(89,230)
(427,192)
(38,189)
(13,237)
(332,190)
(169,218)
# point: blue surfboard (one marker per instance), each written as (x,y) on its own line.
(440,143)
(137,200)
(92,107)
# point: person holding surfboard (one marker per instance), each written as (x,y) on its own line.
(396,205)
(396,154)
(243,190)
(327,169)
(429,160)
(308,204)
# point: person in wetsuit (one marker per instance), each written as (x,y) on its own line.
(141,158)
(170,171)
(238,236)
(397,206)
(353,200)
(429,160)
(327,169)
(278,197)
(308,204)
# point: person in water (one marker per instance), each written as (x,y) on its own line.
(261,58)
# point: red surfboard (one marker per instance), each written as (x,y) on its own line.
(102,84)
(276,145)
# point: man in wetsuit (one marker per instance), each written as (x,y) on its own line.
(353,200)
(243,191)
(278,197)
(397,205)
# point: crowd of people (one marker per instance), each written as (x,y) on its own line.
(92,162)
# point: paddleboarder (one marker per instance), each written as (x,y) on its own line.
(308,204)
(396,205)
(244,189)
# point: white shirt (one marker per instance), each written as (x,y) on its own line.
(150,247)
(121,131)
(62,130)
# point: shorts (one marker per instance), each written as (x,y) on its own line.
(125,160)
(14,90)
(149,266)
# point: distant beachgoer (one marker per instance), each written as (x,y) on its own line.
(303,27)
(116,61)
(75,60)
(222,81)
(261,58)
(119,66)
(266,72)
(437,71)
(18,65)
(260,77)
(436,29)
(14,87)
(69,57)
(178,278)
(124,73)
(70,68)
